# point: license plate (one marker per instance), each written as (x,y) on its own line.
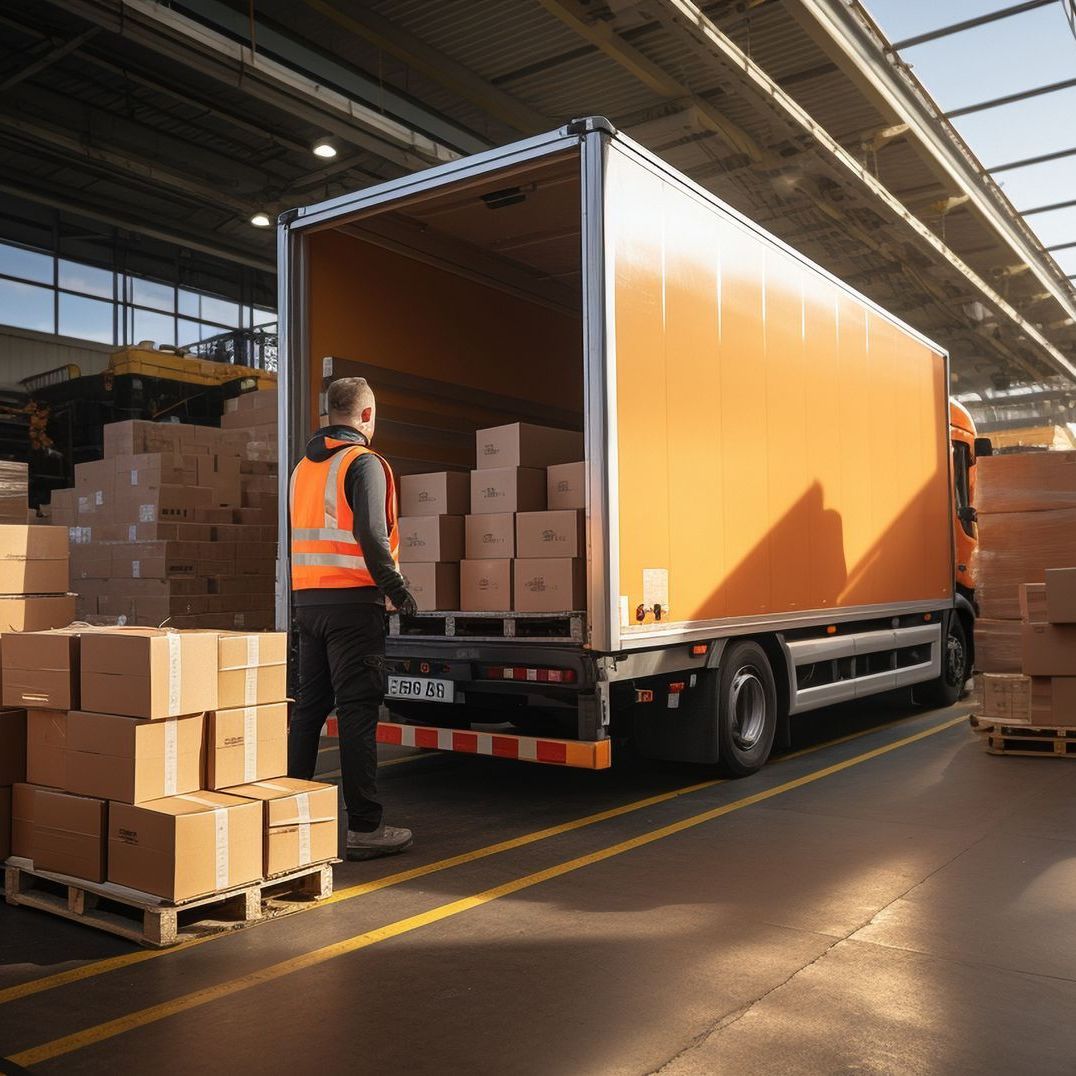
(420,689)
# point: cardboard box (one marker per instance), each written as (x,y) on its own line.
(427,539)
(149,672)
(21,576)
(12,746)
(566,486)
(486,585)
(1061,594)
(130,759)
(249,743)
(997,646)
(434,586)
(1053,701)
(299,819)
(154,560)
(5,822)
(185,846)
(1049,649)
(36,613)
(136,436)
(46,747)
(443,493)
(150,470)
(1003,697)
(165,504)
(38,542)
(60,832)
(1025,481)
(243,649)
(41,669)
(14,480)
(520,444)
(1033,603)
(491,536)
(555,585)
(541,535)
(507,489)
(253,686)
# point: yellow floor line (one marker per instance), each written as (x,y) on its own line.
(111,1028)
(102,967)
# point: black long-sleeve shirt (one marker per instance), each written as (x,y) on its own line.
(366,490)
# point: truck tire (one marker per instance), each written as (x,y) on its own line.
(949,687)
(746,709)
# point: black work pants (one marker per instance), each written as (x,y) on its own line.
(341,662)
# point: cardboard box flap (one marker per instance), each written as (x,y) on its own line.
(38,541)
(66,813)
(123,650)
(189,803)
(291,801)
(244,650)
(41,651)
(229,727)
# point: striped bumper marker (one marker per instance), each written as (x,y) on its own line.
(586,755)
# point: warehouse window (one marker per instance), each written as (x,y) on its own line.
(44,293)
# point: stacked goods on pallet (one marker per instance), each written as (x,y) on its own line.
(12,769)
(432,511)
(134,751)
(178,523)
(34,561)
(509,502)
(1027,515)
(508,537)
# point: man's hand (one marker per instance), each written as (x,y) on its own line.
(405,604)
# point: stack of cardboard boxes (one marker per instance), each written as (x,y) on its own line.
(508,537)
(1043,695)
(1027,520)
(154,760)
(178,523)
(34,561)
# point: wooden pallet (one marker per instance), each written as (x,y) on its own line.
(156,923)
(490,627)
(1051,742)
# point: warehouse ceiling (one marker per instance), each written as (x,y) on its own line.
(162,119)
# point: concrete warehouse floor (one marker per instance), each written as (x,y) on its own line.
(886,898)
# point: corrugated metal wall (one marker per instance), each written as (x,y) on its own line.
(23,354)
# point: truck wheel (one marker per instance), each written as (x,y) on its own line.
(949,687)
(746,709)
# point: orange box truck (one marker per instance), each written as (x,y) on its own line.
(769,486)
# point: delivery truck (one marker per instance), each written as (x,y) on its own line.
(770,493)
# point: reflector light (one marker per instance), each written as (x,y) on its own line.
(676,687)
(832,629)
(644,695)
(539,676)
(700,649)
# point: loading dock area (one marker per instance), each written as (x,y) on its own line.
(884,896)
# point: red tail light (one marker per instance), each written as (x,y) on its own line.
(534,676)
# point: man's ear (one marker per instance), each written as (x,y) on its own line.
(367,414)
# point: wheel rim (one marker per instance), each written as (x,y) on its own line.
(747,708)
(954,661)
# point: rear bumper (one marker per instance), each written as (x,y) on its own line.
(584,755)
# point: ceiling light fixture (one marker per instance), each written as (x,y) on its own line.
(324,148)
(260,220)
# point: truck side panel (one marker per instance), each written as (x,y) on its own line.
(782,446)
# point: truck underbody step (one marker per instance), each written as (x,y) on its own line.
(585,755)
(536,627)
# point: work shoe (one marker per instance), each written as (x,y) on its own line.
(384,841)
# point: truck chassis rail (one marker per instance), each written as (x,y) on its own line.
(490,627)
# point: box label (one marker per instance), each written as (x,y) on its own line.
(134,476)
(175,671)
(171,757)
(250,744)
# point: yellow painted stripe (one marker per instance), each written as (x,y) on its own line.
(110,1029)
(102,967)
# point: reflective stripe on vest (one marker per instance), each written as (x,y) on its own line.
(324,552)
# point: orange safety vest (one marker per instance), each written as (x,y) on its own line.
(324,552)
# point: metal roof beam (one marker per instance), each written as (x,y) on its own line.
(47,59)
(1028,161)
(1012,98)
(970,24)
(604,36)
(1047,208)
(457,77)
(165,31)
(695,27)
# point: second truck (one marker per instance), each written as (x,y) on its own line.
(770,486)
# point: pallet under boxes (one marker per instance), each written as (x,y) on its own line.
(157,923)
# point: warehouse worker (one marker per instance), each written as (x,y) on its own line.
(344,563)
